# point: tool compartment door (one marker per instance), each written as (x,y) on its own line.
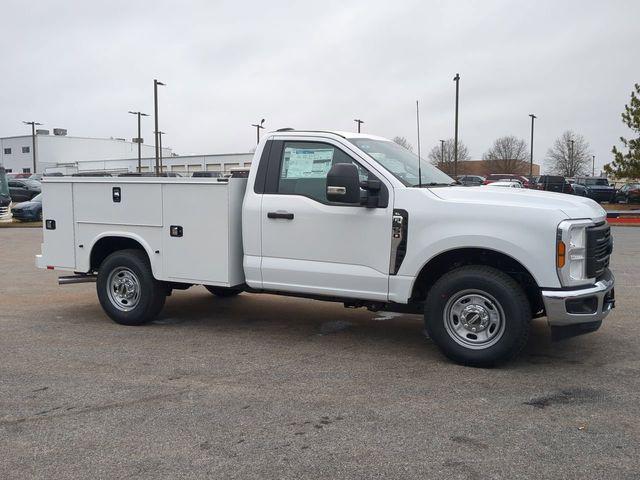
(58,225)
(195,233)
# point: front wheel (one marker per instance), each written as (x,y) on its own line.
(127,290)
(478,315)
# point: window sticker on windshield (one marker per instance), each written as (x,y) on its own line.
(306,163)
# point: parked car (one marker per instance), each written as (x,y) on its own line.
(598,188)
(18,175)
(505,183)
(23,189)
(552,183)
(28,211)
(5,198)
(629,193)
(471,180)
(494,177)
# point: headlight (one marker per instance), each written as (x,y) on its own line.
(571,252)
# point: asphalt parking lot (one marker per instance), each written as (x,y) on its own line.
(261,386)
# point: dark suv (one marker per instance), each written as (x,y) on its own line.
(598,188)
(23,189)
(552,183)
(471,180)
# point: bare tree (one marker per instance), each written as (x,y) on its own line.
(403,142)
(443,156)
(570,155)
(508,154)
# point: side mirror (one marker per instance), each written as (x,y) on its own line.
(343,183)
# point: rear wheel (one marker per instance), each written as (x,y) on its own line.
(223,291)
(127,290)
(478,316)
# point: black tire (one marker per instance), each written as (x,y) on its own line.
(132,266)
(223,291)
(505,300)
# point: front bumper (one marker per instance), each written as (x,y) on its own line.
(601,195)
(588,306)
(24,215)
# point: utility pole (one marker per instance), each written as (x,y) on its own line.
(442,151)
(593,165)
(33,141)
(139,139)
(455,138)
(258,127)
(359,122)
(155,110)
(533,117)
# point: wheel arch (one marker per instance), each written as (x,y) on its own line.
(109,242)
(453,258)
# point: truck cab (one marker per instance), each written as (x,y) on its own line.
(342,217)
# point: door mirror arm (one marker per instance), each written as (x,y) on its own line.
(370,198)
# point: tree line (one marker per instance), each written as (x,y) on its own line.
(569,156)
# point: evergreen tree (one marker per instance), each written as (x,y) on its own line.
(627,165)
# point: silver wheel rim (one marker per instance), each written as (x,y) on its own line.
(123,288)
(474,319)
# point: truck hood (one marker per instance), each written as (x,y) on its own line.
(572,206)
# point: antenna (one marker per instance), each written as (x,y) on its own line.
(419,158)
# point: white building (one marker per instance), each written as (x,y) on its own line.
(182,164)
(16,153)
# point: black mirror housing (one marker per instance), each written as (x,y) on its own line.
(343,183)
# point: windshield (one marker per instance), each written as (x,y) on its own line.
(596,181)
(402,163)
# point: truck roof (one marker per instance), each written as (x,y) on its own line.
(339,133)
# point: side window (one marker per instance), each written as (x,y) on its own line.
(304,167)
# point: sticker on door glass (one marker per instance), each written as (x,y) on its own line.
(306,163)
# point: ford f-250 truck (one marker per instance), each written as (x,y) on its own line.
(341,217)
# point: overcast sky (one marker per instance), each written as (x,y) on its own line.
(82,65)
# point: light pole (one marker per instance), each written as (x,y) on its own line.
(593,165)
(455,138)
(359,122)
(33,141)
(159,133)
(572,146)
(258,127)
(139,139)
(155,110)
(442,151)
(533,117)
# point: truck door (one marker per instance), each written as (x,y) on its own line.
(311,245)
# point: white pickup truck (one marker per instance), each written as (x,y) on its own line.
(341,217)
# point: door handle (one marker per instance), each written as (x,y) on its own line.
(285,215)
